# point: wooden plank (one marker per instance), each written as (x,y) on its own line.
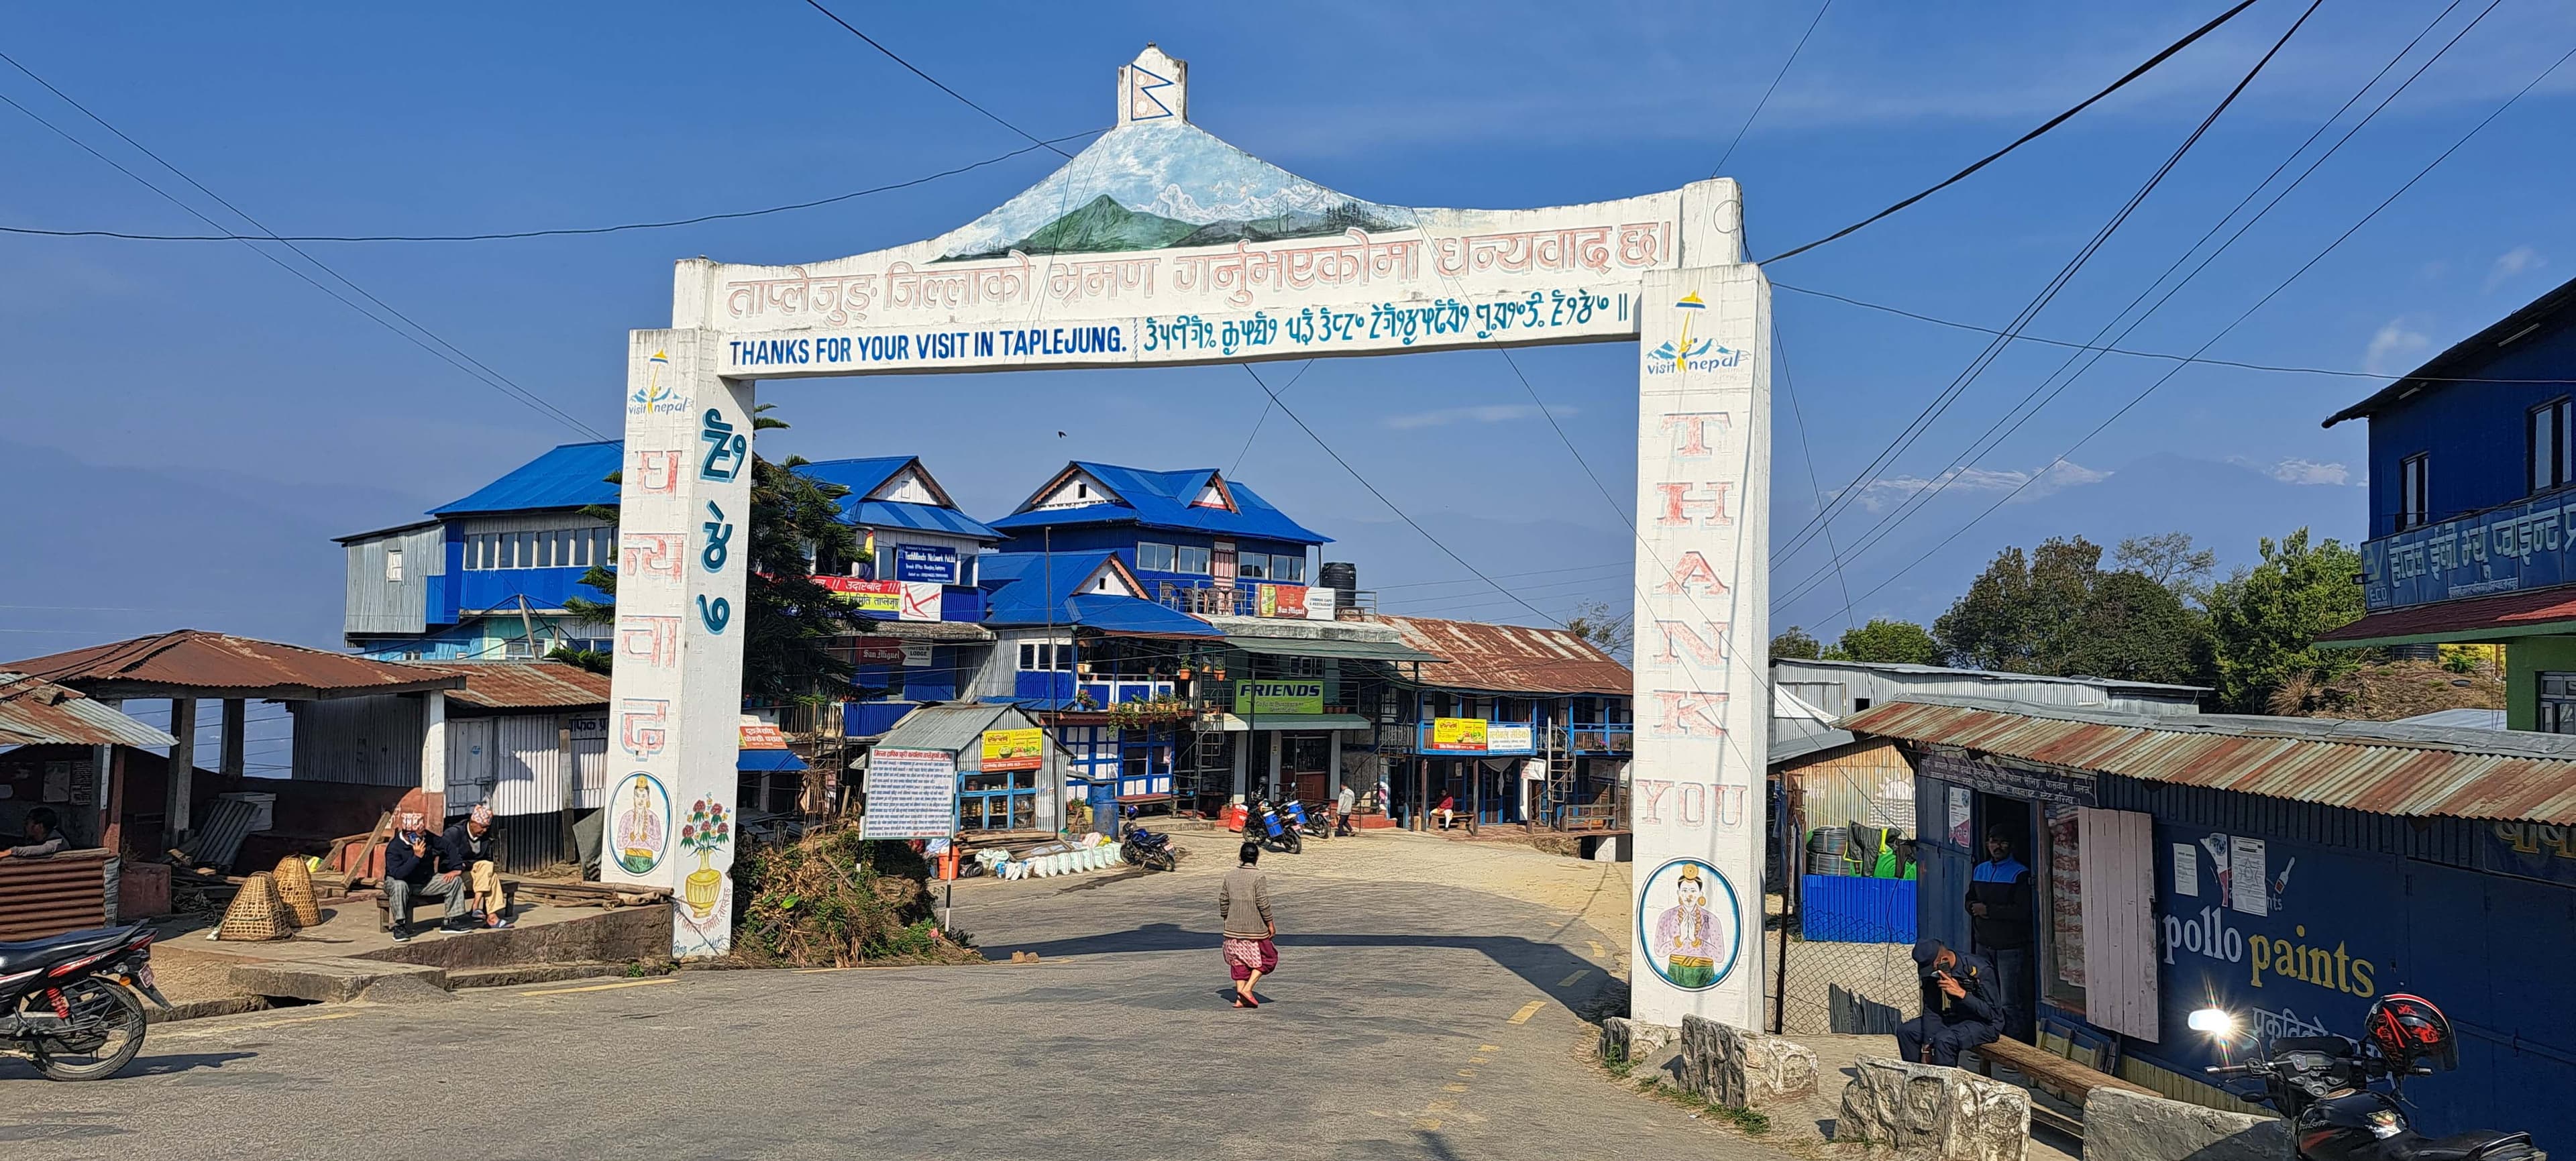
(357,872)
(2117,857)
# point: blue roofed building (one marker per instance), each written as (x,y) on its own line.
(1196,540)
(485,577)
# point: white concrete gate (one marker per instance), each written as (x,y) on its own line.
(1161,245)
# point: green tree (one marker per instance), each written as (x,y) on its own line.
(2134,628)
(2019,616)
(1607,628)
(789,621)
(2265,620)
(1794,643)
(2169,560)
(1884,639)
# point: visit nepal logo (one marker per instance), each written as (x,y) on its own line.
(1684,354)
(656,397)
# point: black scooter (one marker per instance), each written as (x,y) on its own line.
(2323,1085)
(68,1000)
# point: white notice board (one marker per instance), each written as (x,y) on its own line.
(911,794)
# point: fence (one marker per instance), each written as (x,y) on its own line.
(1842,936)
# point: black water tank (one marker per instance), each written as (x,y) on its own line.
(1343,578)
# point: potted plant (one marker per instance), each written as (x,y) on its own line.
(706,832)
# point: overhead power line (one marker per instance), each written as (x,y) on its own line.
(2024,411)
(561,232)
(1759,105)
(2284,284)
(2133,74)
(451,354)
(935,82)
(1985,359)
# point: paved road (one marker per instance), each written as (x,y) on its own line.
(1390,1033)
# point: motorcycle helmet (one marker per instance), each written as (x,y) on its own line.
(2408,1031)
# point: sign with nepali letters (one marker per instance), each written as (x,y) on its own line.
(1013,750)
(1159,244)
(1458,734)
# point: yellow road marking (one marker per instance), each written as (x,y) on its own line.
(1598,951)
(601,987)
(1527,1010)
(261,1024)
(1453,1088)
(1466,1072)
(1427,1123)
(1441,1107)
(1569,981)
(1478,1059)
(1489,1048)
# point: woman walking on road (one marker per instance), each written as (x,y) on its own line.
(1243,907)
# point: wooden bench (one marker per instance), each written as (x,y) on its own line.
(384,904)
(2072,1080)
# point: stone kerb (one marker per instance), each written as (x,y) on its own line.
(1925,1112)
(1745,1070)
(1633,1042)
(2126,1126)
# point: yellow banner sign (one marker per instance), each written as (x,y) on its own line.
(1013,749)
(1458,734)
(1278,697)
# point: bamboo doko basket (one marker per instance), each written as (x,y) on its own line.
(257,913)
(295,886)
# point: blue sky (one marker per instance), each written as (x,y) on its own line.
(191,422)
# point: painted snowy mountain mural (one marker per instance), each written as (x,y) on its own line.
(1156,185)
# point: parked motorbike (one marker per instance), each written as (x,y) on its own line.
(1300,823)
(68,1000)
(1265,826)
(2323,1084)
(1144,848)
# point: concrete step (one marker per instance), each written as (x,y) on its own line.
(338,981)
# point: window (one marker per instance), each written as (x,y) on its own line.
(1155,558)
(1291,569)
(2557,703)
(1193,560)
(1036,656)
(1252,566)
(1860,703)
(393,565)
(2548,447)
(2414,492)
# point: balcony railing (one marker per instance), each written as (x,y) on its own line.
(1597,737)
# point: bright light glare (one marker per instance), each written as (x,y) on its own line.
(2217,1022)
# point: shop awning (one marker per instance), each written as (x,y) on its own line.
(1235,724)
(768,762)
(1316,647)
(2542,612)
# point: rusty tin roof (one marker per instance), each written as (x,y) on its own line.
(33,711)
(196,663)
(522,684)
(2377,767)
(1510,658)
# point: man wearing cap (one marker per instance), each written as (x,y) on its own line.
(1960,1007)
(468,851)
(411,869)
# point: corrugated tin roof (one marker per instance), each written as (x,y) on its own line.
(863,476)
(572,475)
(2478,619)
(522,684)
(957,726)
(2377,767)
(1327,647)
(1944,671)
(1164,500)
(1510,658)
(205,664)
(1016,584)
(33,711)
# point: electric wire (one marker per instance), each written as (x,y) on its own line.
(934,81)
(1759,105)
(1989,439)
(560,232)
(2133,74)
(2284,284)
(1976,368)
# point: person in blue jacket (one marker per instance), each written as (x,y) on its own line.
(1960,1007)
(411,869)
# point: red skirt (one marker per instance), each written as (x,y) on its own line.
(1246,956)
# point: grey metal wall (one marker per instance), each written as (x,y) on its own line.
(371,741)
(373,604)
(1837,689)
(527,765)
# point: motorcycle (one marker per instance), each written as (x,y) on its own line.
(1262,824)
(68,1000)
(1299,823)
(1144,848)
(2323,1084)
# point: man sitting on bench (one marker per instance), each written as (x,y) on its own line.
(1960,1007)
(411,868)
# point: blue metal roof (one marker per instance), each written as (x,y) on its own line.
(862,476)
(1037,588)
(768,761)
(1163,500)
(573,475)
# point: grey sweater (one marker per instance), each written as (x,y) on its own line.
(1243,903)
